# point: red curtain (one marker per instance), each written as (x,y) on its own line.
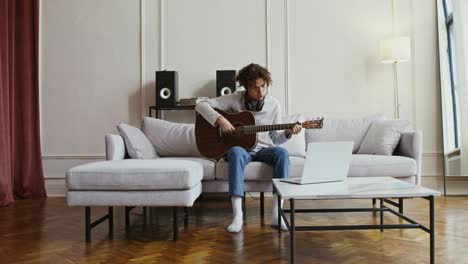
(21,172)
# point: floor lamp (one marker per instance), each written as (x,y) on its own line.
(395,50)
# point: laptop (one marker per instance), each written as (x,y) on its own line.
(325,162)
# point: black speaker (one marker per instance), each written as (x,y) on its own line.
(225,82)
(166,88)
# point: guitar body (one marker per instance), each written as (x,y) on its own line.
(212,145)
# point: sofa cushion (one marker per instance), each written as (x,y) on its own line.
(383,137)
(138,145)
(342,130)
(258,171)
(135,198)
(380,165)
(296,145)
(208,165)
(171,139)
(130,174)
(115,147)
(361,166)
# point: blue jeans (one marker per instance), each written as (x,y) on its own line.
(238,158)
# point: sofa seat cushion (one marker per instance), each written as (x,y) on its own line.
(208,166)
(258,171)
(361,166)
(381,165)
(130,174)
(135,198)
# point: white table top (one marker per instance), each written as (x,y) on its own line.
(353,188)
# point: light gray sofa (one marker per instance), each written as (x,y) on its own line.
(404,163)
(176,143)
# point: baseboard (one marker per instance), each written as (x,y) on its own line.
(432,164)
(433,182)
(56,187)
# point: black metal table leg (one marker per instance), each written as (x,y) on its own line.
(291,231)
(400,205)
(262,204)
(431,226)
(88,223)
(111,222)
(381,214)
(144,215)
(279,214)
(374,201)
(127,217)
(175,224)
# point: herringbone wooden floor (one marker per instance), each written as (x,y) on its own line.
(48,231)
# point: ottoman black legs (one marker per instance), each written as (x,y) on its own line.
(175,224)
(89,225)
(186,213)
(175,221)
(110,216)
(127,216)
(262,204)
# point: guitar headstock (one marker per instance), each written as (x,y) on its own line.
(315,123)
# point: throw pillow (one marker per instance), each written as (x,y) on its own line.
(296,145)
(383,137)
(137,144)
(342,130)
(171,139)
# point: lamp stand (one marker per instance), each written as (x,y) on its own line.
(396,97)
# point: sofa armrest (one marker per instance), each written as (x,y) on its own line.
(115,147)
(411,146)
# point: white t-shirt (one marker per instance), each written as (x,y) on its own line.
(270,115)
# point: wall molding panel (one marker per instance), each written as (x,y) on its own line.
(142,58)
(287,84)
(161,35)
(75,156)
(267,33)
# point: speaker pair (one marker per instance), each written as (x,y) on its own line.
(225,82)
(166,88)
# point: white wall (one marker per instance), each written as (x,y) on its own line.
(98,60)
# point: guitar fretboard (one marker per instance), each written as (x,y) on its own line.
(264,128)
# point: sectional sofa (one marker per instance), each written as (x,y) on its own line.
(382,147)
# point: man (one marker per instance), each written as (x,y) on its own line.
(266,109)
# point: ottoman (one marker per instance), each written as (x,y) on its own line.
(131,183)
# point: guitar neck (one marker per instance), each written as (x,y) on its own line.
(264,128)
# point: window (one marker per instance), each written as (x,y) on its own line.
(448,13)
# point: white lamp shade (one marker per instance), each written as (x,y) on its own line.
(396,49)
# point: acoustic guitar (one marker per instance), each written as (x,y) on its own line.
(213,144)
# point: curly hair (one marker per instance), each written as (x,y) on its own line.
(250,73)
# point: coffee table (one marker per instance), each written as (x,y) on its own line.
(382,188)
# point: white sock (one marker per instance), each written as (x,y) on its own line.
(236,224)
(274,213)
